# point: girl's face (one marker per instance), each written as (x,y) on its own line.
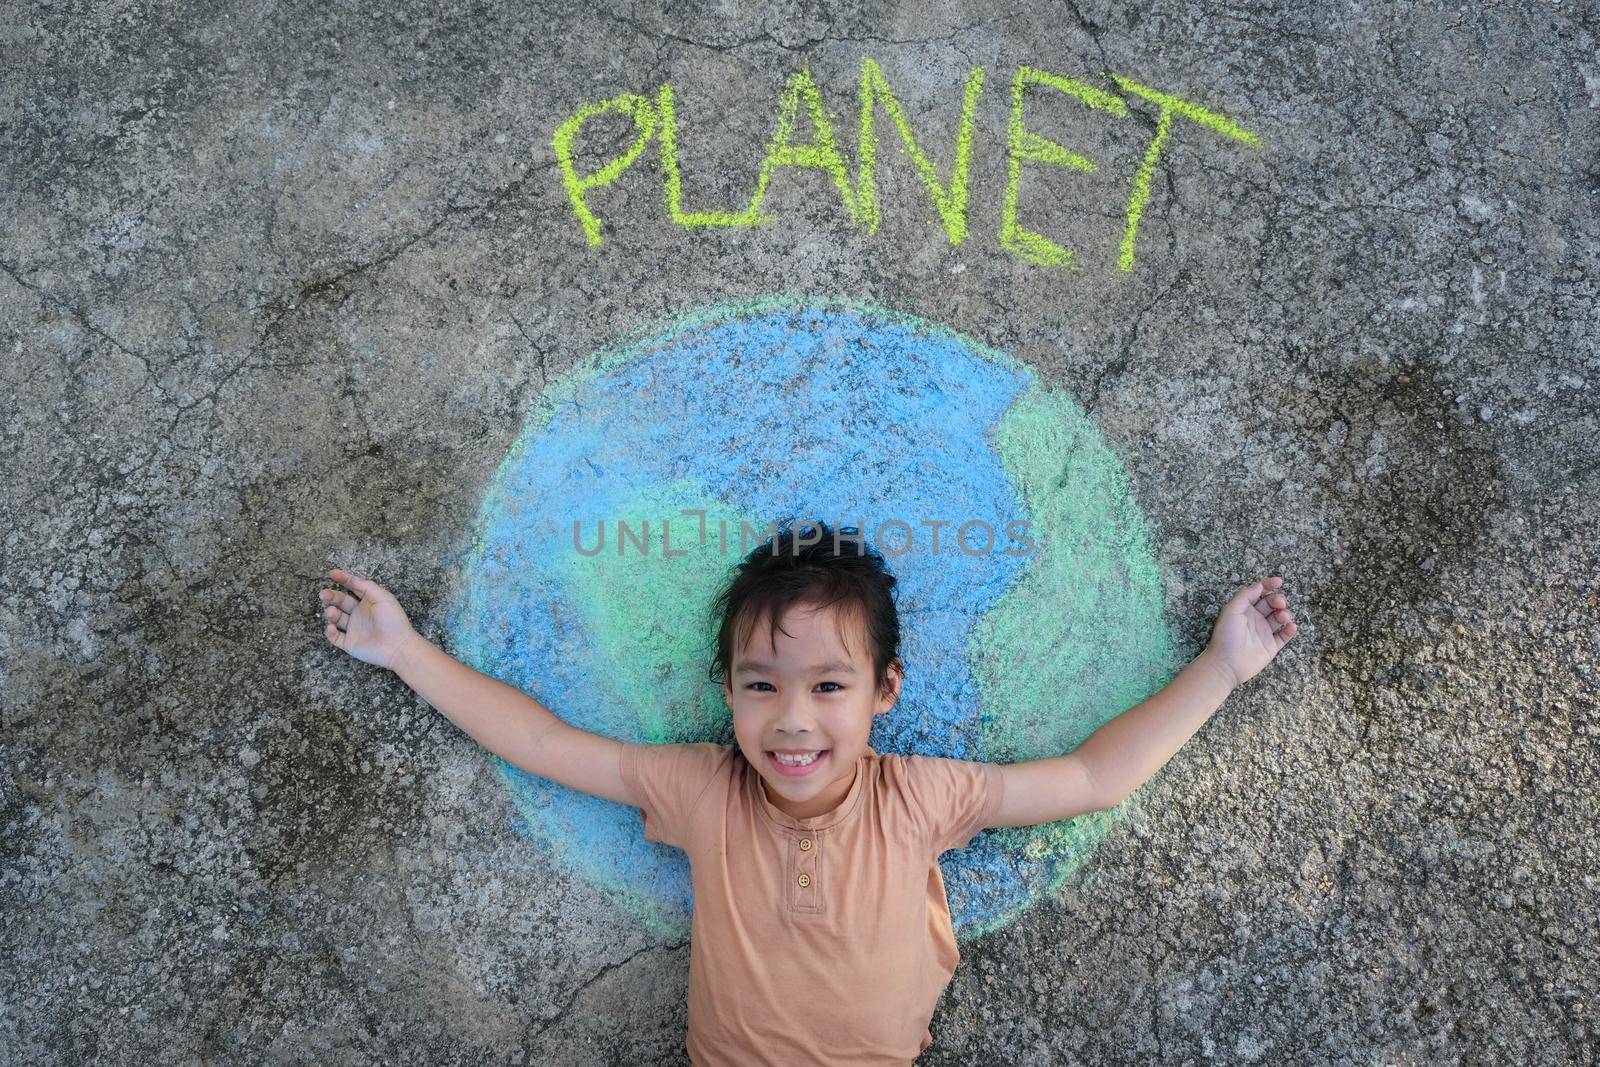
(806,691)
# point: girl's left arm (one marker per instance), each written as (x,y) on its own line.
(1123,754)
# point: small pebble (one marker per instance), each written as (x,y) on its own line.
(1338,432)
(1486,413)
(1404,379)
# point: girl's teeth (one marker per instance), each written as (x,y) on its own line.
(796,761)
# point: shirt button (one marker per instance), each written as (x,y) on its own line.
(805,844)
(804,880)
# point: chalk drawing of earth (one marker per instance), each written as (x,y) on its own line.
(828,409)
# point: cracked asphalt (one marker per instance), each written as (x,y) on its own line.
(280,283)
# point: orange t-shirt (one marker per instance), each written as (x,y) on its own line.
(814,941)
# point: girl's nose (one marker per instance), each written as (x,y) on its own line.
(794,718)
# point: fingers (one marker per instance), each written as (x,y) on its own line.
(1278,604)
(339,605)
(1245,597)
(1275,607)
(359,584)
(1270,604)
(1266,600)
(1264,595)
(343,601)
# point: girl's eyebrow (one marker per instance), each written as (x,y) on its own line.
(821,668)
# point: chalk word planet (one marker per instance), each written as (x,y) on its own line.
(812,408)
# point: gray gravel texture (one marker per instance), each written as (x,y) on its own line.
(280,281)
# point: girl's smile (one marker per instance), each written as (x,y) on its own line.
(798,766)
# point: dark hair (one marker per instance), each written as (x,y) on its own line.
(790,568)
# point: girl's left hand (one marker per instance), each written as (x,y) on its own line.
(1251,629)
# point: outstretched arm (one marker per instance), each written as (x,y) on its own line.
(1123,754)
(370,625)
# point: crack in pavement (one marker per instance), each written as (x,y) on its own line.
(561,1012)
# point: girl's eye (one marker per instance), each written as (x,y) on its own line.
(836,686)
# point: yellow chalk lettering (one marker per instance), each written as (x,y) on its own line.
(1023,144)
(644,117)
(780,153)
(658,117)
(952,204)
(674,180)
(1170,105)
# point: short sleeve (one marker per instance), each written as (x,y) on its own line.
(954,798)
(669,780)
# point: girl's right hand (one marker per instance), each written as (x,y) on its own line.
(369,623)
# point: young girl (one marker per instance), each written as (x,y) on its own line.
(821,932)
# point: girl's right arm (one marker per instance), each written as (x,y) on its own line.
(369,624)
